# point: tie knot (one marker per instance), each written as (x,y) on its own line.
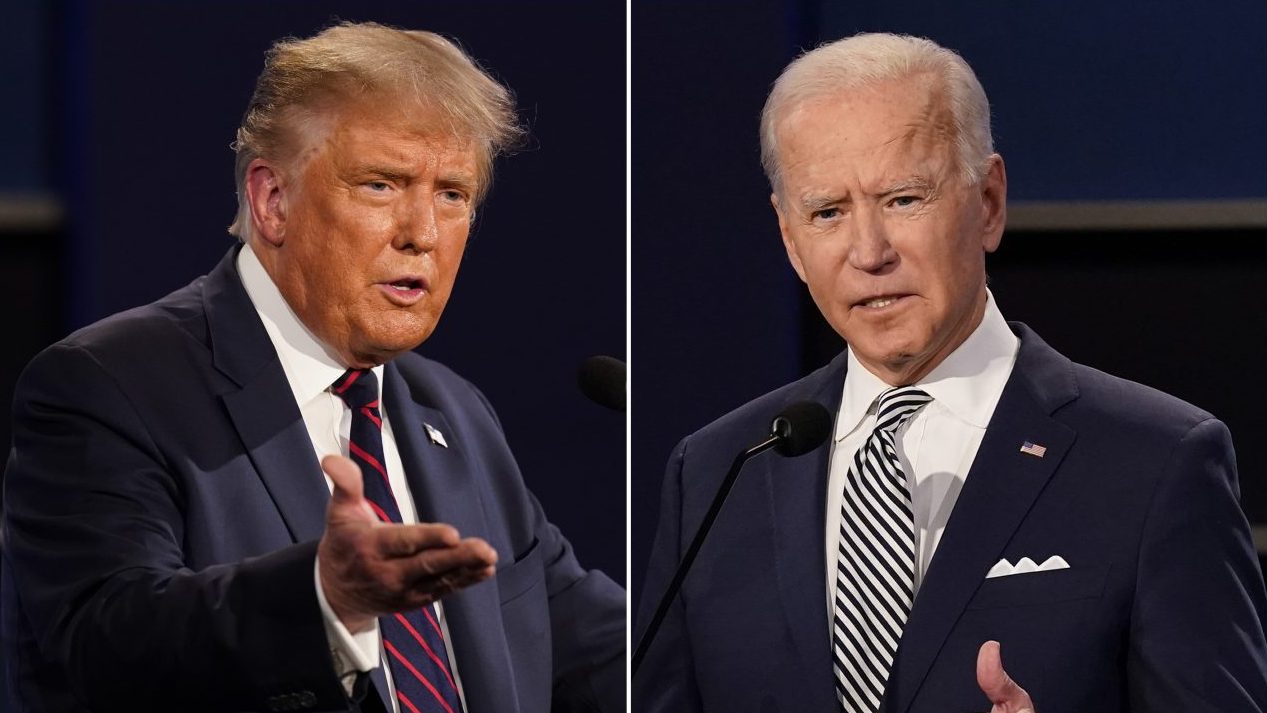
(897,405)
(357,388)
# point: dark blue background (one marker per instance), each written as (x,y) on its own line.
(1091,101)
(1106,100)
(24,157)
(140,104)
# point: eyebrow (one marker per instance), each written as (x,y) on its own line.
(381,171)
(907,184)
(816,203)
(464,181)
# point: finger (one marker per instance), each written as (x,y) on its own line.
(465,578)
(408,540)
(455,578)
(346,477)
(452,581)
(348,486)
(441,570)
(993,680)
(470,554)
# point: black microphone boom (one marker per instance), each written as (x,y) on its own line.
(797,430)
(602,379)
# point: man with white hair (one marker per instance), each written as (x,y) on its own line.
(983,499)
(171,541)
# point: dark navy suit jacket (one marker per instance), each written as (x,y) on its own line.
(163,502)
(1160,609)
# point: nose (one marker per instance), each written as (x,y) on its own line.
(417,230)
(870,250)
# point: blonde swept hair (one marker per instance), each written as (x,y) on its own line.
(304,78)
(867,59)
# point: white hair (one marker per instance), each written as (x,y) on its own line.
(868,59)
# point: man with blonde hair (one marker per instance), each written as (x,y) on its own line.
(251,494)
(983,499)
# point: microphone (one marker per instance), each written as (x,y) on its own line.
(797,430)
(602,379)
(801,428)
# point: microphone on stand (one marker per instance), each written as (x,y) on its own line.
(797,430)
(602,380)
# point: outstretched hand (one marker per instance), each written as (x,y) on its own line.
(369,568)
(1003,692)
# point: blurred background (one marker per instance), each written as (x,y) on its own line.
(1135,138)
(116,187)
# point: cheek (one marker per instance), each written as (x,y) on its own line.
(823,260)
(380,223)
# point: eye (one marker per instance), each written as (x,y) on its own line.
(453,196)
(378,186)
(825,214)
(904,201)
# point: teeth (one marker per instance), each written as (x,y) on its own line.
(402,287)
(880,302)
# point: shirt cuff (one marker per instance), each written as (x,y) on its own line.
(352,653)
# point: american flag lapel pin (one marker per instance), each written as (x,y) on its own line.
(1033,449)
(434,434)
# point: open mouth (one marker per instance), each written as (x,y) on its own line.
(406,285)
(879,302)
(404,291)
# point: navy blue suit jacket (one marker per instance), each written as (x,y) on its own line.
(1160,609)
(163,503)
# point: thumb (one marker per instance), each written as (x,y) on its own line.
(348,489)
(993,680)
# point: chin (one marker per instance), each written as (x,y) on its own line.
(379,349)
(884,347)
(893,358)
(399,344)
(399,332)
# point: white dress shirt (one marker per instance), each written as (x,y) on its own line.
(937,445)
(310,369)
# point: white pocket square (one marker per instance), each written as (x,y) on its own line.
(1003,568)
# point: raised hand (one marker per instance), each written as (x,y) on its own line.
(369,568)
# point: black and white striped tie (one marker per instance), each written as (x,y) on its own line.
(875,560)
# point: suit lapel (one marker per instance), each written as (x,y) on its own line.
(439,475)
(263,410)
(270,426)
(445,490)
(798,491)
(262,407)
(998,492)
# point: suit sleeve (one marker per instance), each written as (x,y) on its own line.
(1197,640)
(666,679)
(94,532)
(587,627)
(587,610)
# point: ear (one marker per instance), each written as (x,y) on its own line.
(788,243)
(994,203)
(266,194)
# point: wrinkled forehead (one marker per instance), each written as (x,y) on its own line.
(863,127)
(914,103)
(374,121)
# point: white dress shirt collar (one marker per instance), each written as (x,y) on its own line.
(967,383)
(309,365)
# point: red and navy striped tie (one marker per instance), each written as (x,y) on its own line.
(413,642)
